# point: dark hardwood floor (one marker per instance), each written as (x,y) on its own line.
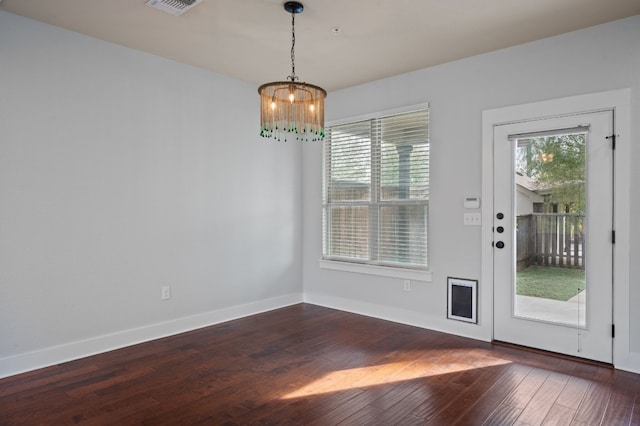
(316,366)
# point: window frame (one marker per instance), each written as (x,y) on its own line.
(364,267)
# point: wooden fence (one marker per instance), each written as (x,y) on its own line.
(550,239)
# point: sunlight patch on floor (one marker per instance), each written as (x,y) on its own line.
(382,374)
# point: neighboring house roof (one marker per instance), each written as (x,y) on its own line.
(527,183)
(528,187)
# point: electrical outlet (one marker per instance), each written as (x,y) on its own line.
(166,292)
(407,285)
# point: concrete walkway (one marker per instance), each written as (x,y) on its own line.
(571,312)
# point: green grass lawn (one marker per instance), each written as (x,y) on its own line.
(549,282)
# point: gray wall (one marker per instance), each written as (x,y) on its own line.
(120,173)
(117,178)
(596,59)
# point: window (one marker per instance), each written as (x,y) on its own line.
(376,191)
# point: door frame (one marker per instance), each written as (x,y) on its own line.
(620,102)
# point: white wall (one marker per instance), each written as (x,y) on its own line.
(596,59)
(525,200)
(120,173)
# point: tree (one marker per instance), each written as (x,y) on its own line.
(557,165)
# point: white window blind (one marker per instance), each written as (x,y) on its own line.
(376,191)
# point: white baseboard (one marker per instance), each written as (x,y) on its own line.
(629,362)
(401,316)
(79,349)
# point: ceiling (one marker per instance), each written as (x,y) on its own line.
(251,39)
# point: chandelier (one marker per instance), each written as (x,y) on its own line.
(289,109)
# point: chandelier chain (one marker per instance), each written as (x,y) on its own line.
(293,76)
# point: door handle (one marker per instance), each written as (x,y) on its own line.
(500,244)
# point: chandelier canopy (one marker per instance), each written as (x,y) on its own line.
(291,110)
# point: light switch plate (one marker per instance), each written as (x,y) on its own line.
(472,219)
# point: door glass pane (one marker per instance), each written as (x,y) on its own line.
(550,281)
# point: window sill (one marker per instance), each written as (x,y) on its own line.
(382,271)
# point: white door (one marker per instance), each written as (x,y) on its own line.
(553,210)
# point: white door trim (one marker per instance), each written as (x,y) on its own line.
(620,102)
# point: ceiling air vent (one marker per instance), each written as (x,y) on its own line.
(174,7)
